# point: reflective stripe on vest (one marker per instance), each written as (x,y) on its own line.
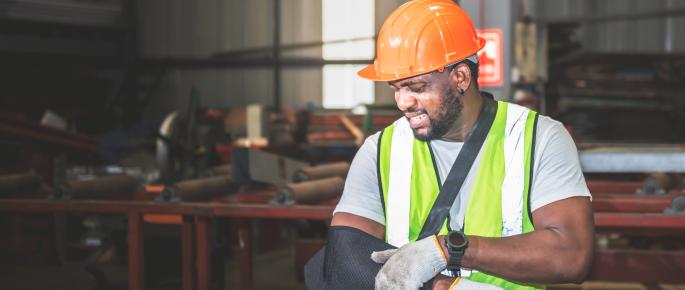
(408,182)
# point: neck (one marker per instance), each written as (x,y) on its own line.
(473,102)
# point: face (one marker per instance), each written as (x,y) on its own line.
(429,104)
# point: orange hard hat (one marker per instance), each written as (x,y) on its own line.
(422,36)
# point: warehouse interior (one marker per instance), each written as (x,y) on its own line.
(170,144)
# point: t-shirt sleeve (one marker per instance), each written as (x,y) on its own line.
(361,195)
(557,173)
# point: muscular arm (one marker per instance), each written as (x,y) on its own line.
(558,251)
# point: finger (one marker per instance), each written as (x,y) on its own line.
(382,256)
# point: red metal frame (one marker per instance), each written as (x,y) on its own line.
(203,253)
(197,217)
(188,253)
(616,187)
(136,266)
(22,129)
(648,267)
(245,243)
(259,211)
(194,230)
(632,203)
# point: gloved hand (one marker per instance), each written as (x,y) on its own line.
(465,284)
(411,265)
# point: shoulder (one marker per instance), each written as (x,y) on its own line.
(372,141)
(546,125)
(550,132)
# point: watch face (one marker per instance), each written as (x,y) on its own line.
(457,239)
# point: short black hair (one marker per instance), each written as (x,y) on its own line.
(473,67)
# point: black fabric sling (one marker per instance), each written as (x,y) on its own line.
(345,262)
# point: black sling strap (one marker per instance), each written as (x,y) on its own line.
(460,169)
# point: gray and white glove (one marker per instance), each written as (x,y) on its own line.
(465,284)
(411,265)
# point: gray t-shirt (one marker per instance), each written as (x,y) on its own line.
(556,174)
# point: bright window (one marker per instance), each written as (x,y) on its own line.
(348,29)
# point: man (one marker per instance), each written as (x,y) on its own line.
(522,217)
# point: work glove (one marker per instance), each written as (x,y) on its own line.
(465,284)
(411,265)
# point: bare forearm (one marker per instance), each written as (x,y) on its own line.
(538,257)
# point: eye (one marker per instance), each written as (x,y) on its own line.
(417,89)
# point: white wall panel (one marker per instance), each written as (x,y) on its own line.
(258,87)
(258,22)
(654,35)
(301,86)
(153,23)
(301,23)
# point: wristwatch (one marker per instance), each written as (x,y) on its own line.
(456,243)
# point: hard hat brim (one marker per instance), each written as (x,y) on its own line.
(369,72)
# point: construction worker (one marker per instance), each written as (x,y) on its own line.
(522,216)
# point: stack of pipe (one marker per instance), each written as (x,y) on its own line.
(314,184)
(322,171)
(197,189)
(98,188)
(200,188)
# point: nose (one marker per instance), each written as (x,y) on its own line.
(405,100)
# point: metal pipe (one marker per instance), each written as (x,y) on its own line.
(23,182)
(322,171)
(221,170)
(97,188)
(617,17)
(198,189)
(311,192)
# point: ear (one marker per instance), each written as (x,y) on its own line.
(460,78)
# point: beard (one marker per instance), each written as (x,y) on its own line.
(446,115)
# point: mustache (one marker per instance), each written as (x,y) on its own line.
(417,111)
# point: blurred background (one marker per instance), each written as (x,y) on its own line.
(170,144)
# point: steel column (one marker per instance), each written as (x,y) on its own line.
(277,54)
(188,253)
(204,274)
(136,266)
(245,243)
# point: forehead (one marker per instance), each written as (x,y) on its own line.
(427,78)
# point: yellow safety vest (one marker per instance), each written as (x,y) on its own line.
(499,201)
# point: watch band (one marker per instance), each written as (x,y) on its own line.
(455,252)
(454,263)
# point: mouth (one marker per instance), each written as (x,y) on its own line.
(417,120)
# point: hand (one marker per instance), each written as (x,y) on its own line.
(411,265)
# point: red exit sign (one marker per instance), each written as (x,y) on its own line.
(490,58)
